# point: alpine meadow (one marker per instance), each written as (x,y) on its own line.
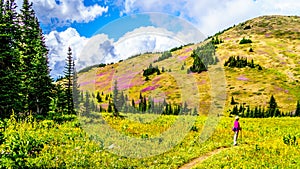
(170,109)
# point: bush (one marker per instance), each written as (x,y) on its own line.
(19,146)
(64,118)
(245,41)
(290,140)
(247,27)
(164,56)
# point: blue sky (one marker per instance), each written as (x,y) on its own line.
(77,23)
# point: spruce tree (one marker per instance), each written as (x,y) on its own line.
(87,104)
(37,83)
(98,97)
(297,112)
(272,107)
(75,87)
(69,72)
(132,103)
(10,88)
(232,101)
(116,105)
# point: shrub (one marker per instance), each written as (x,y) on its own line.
(290,140)
(245,41)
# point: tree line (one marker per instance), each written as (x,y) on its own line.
(240,62)
(26,86)
(120,102)
(259,112)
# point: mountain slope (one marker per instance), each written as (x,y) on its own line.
(275,45)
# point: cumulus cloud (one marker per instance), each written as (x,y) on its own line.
(101,49)
(58,43)
(211,16)
(146,39)
(64,12)
(98,49)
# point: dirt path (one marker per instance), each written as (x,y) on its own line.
(202,158)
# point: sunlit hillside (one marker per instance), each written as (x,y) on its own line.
(275,47)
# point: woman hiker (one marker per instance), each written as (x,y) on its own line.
(236,128)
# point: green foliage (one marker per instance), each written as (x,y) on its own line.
(46,144)
(69,72)
(102,65)
(117,101)
(98,97)
(245,41)
(176,48)
(86,69)
(25,81)
(180,47)
(290,140)
(247,27)
(232,101)
(240,62)
(203,56)
(297,112)
(258,112)
(75,89)
(151,70)
(164,56)
(216,40)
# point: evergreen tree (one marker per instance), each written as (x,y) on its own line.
(69,71)
(99,99)
(297,112)
(232,101)
(132,103)
(109,109)
(182,67)
(87,104)
(116,105)
(272,107)
(37,83)
(10,88)
(76,92)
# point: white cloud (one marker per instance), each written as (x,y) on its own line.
(98,49)
(58,43)
(211,16)
(146,39)
(65,11)
(101,49)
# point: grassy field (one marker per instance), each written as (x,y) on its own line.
(47,144)
(172,141)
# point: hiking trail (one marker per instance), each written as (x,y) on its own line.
(202,158)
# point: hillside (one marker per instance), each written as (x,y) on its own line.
(275,47)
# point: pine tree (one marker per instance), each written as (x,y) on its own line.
(232,101)
(37,83)
(115,104)
(297,112)
(69,71)
(272,107)
(132,103)
(76,92)
(87,104)
(109,109)
(10,88)
(99,99)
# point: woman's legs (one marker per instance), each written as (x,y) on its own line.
(235,137)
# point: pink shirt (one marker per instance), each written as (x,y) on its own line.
(236,124)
